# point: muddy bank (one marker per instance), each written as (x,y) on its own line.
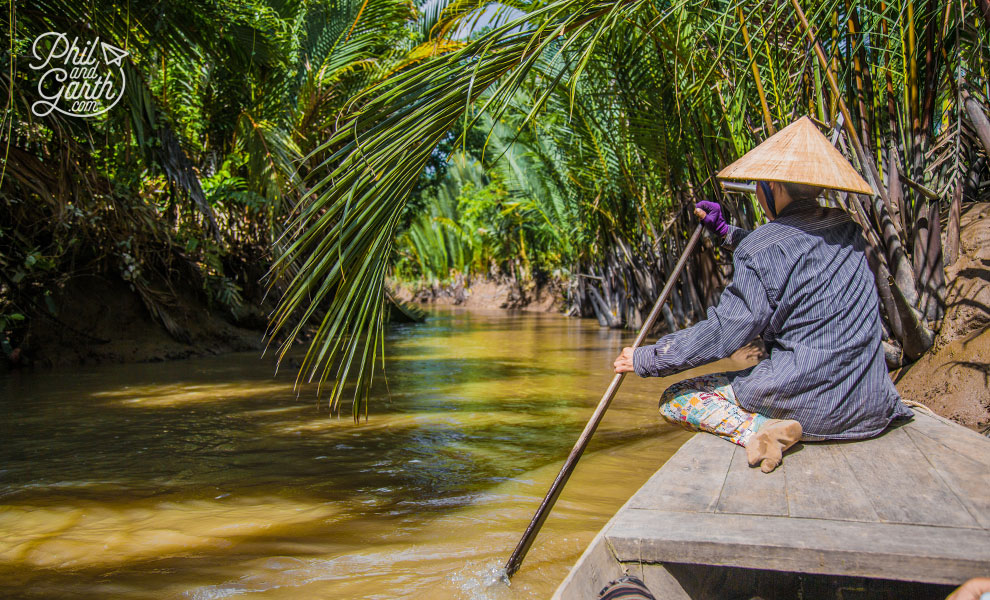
(486,293)
(953,378)
(101,319)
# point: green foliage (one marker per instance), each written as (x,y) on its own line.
(341,240)
(199,163)
(473,225)
(607,121)
(354,138)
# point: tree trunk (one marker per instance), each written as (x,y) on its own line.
(690,273)
(978,117)
(971,182)
(933,277)
(668,317)
(917,337)
(905,322)
(952,233)
(928,263)
(894,188)
(887,304)
(920,245)
(893,355)
(605,317)
(676,302)
(897,257)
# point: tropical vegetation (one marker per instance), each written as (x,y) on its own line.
(350,144)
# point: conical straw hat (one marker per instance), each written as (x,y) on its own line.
(798,153)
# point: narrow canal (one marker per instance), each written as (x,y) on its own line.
(210,478)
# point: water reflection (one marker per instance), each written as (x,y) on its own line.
(209,478)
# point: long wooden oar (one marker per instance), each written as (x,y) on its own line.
(565,472)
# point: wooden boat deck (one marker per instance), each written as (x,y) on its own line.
(910,505)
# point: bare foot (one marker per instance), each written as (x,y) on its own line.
(767,446)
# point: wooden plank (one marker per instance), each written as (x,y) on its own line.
(969,480)
(704,582)
(750,491)
(901,484)
(964,441)
(593,571)
(691,480)
(882,550)
(663,584)
(821,485)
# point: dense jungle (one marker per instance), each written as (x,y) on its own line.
(284,172)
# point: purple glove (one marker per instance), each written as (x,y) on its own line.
(713,219)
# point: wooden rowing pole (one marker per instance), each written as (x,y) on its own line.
(565,472)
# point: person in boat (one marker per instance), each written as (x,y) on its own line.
(801,282)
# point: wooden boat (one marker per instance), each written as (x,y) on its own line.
(903,515)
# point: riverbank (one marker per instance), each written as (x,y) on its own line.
(101,319)
(953,377)
(487,293)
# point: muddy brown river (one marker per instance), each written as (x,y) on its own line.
(210,478)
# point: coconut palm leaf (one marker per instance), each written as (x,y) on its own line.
(341,238)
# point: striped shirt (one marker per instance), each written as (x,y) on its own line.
(802,283)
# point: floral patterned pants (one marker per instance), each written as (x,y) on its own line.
(708,403)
